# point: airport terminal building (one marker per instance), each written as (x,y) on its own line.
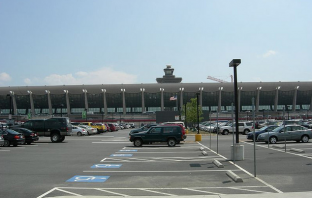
(168,94)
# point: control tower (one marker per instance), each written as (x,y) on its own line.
(169,77)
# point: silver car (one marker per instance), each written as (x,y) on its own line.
(1,140)
(289,133)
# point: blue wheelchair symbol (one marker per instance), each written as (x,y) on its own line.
(84,178)
(106,166)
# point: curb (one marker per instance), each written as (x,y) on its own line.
(218,164)
(297,150)
(233,176)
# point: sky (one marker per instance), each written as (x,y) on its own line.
(75,42)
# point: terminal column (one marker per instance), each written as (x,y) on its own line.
(295,99)
(123,101)
(49,101)
(31,103)
(162,99)
(67,102)
(276,98)
(219,102)
(258,98)
(143,100)
(104,101)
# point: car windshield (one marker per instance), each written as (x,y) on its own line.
(263,128)
(11,131)
(278,128)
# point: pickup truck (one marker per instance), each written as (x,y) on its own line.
(55,128)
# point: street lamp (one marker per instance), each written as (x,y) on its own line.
(234,63)
(197,96)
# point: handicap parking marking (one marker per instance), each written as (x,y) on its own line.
(86,178)
(106,166)
(128,150)
(121,155)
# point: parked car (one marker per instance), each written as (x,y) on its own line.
(90,130)
(289,133)
(112,127)
(79,131)
(243,127)
(100,127)
(250,135)
(160,133)
(107,127)
(1,140)
(56,128)
(143,128)
(132,125)
(29,135)
(12,137)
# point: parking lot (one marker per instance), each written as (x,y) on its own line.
(109,165)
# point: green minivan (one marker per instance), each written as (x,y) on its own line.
(170,134)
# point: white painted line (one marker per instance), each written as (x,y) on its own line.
(157,192)
(71,193)
(44,194)
(108,142)
(257,178)
(155,152)
(182,171)
(243,189)
(111,192)
(279,150)
(208,192)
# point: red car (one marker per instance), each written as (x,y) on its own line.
(112,127)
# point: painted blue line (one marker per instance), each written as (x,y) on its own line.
(121,155)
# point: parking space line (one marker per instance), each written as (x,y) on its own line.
(281,150)
(65,191)
(147,190)
(243,189)
(257,178)
(208,192)
(99,189)
(183,171)
(46,193)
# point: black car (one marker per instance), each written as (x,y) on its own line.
(166,133)
(30,136)
(12,137)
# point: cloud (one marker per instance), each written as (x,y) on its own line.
(27,81)
(269,53)
(102,76)
(5,77)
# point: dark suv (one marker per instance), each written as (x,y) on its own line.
(55,128)
(169,134)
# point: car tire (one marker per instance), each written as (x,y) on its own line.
(62,138)
(6,143)
(29,143)
(79,134)
(246,131)
(171,142)
(305,139)
(55,137)
(137,142)
(273,140)
(15,144)
(225,132)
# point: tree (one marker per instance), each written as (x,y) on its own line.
(191,112)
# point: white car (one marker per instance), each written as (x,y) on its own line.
(243,127)
(76,130)
(90,130)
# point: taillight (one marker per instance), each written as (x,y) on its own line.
(32,134)
(16,137)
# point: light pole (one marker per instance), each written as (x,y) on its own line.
(234,63)
(197,96)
